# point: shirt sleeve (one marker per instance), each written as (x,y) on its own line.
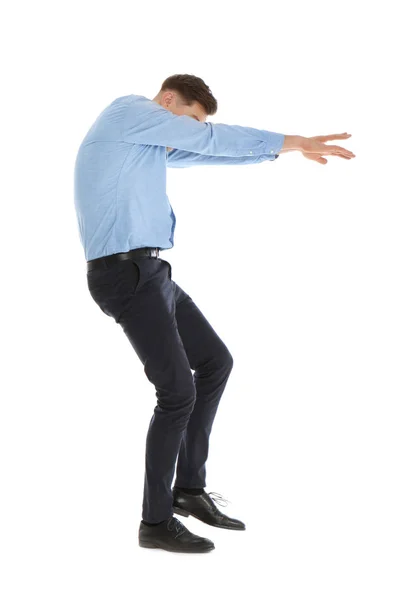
(146,122)
(181,159)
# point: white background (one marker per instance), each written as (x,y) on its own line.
(297,265)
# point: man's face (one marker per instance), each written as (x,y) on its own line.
(171,102)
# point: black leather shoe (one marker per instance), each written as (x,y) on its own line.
(173,536)
(203,508)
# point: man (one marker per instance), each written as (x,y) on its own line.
(125,219)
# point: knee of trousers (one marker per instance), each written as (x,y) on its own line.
(223,361)
(228,361)
(178,400)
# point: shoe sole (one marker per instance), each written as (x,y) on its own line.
(185,513)
(146,544)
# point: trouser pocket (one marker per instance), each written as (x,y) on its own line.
(113,288)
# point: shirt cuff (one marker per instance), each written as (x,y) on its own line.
(275,142)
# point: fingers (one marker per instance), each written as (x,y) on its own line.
(317,157)
(322,160)
(332,136)
(339,151)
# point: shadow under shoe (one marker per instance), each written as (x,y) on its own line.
(172,535)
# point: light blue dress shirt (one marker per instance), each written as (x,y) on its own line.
(120,170)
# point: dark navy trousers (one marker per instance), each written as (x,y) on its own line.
(172,338)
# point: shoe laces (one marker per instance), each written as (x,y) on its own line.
(218,499)
(178,525)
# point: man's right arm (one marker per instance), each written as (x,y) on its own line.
(146,122)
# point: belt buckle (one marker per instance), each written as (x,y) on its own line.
(154,252)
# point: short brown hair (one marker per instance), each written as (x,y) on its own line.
(191,89)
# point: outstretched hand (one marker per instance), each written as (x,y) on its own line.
(314,147)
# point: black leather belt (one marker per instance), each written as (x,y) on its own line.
(112,259)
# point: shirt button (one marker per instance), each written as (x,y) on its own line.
(271,151)
(251,152)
